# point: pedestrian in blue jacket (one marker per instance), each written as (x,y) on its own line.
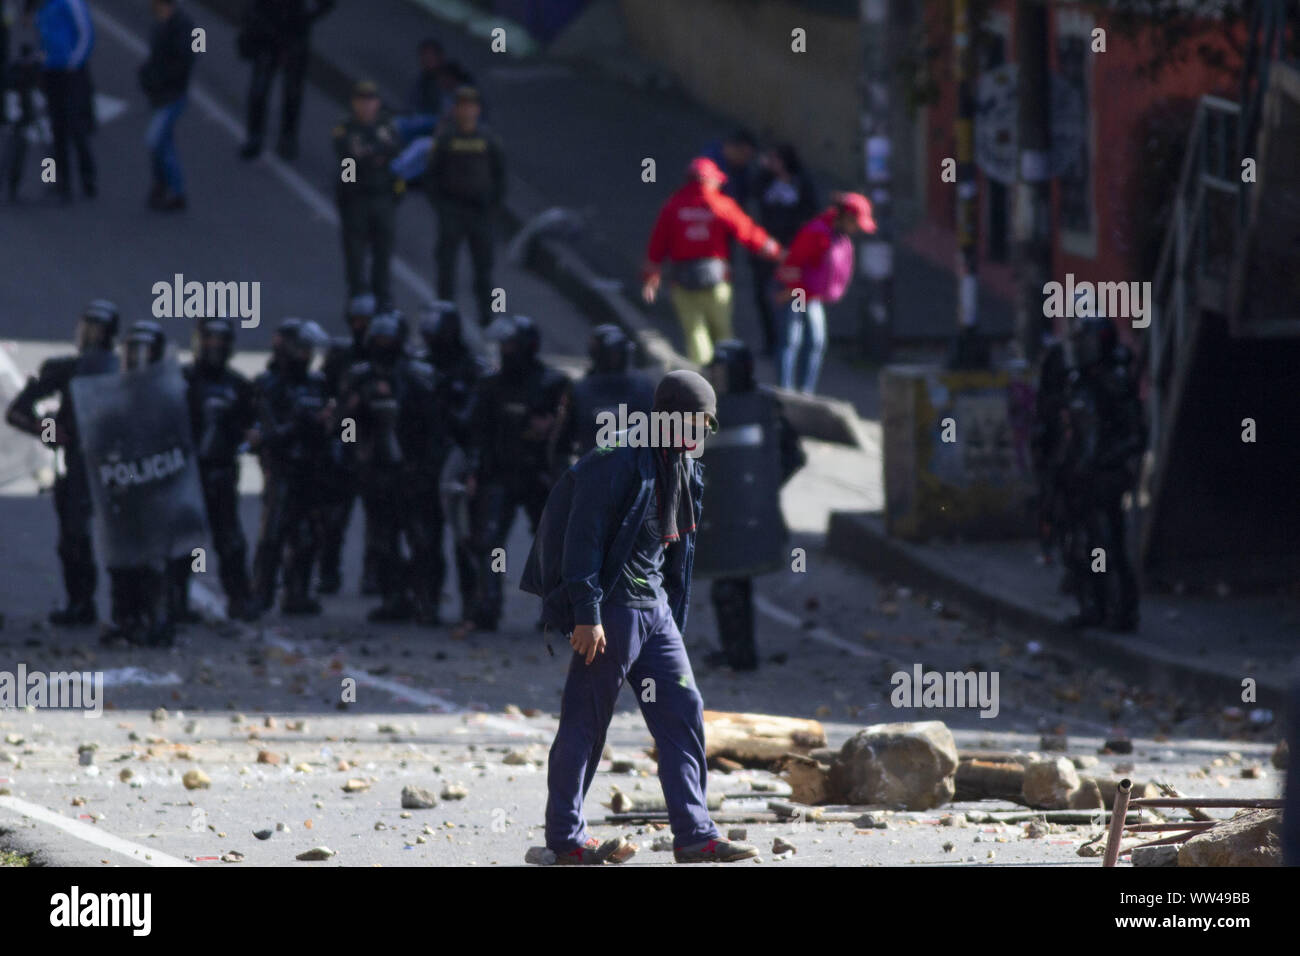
(612,564)
(67,38)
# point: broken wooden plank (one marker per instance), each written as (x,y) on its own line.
(757,740)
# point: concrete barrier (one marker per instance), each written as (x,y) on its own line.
(956,449)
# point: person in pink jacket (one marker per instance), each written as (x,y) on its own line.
(817,270)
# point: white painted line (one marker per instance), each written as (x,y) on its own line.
(782,616)
(91,834)
(290,177)
(205,600)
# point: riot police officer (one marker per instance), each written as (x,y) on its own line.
(511,435)
(223,413)
(390,399)
(604,388)
(743,532)
(294,417)
(456,374)
(341,484)
(95,332)
(367,198)
(1048,447)
(141,613)
(1106,442)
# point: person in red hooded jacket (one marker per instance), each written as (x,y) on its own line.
(692,239)
(817,269)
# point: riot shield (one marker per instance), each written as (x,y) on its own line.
(134,431)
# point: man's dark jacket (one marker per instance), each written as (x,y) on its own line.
(165,76)
(588,531)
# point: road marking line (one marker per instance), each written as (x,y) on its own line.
(203,598)
(819,633)
(287,175)
(91,834)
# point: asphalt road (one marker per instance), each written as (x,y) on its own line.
(431,710)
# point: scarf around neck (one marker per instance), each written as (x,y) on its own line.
(673,494)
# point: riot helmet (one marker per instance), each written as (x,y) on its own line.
(384,339)
(610,349)
(214,343)
(294,343)
(361,309)
(440,329)
(732,367)
(97,326)
(144,345)
(520,344)
(1095,338)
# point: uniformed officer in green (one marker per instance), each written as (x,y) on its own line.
(367,193)
(466,182)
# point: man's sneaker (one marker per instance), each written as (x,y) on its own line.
(595,853)
(715,851)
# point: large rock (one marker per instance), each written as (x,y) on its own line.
(911,765)
(1251,838)
(1049,783)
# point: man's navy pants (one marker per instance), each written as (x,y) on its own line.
(643,646)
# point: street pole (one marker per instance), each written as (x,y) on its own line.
(963,41)
(877,251)
(1033,215)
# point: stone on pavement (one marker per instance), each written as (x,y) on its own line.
(1049,783)
(1251,838)
(912,765)
(418,798)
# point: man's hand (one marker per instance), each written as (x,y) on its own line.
(650,289)
(588,640)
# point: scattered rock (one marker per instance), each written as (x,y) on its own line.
(901,764)
(663,844)
(1251,838)
(196,780)
(418,798)
(1054,743)
(870,821)
(455,791)
(516,758)
(159,715)
(780,846)
(1155,855)
(125,774)
(1084,762)
(617,766)
(1049,783)
(232,856)
(953,820)
(1094,848)
(1118,745)
(303,767)
(1036,830)
(316,853)
(356,785)
(263,834)
(1252,773)
(1280,755)
(737,834)
(949,846)
(266,756)
(1087,797)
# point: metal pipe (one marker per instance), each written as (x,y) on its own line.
(1154,827)
(1221,802)
(1117,815)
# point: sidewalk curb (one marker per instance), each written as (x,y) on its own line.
(860,538)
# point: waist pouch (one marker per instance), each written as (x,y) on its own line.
(697,274)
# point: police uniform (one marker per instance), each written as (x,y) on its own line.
(72,502)
(466,180)
(743,533)
(510,457)
(294,446)
(367,207)
(223,409)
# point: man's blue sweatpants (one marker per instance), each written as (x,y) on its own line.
(644,647)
